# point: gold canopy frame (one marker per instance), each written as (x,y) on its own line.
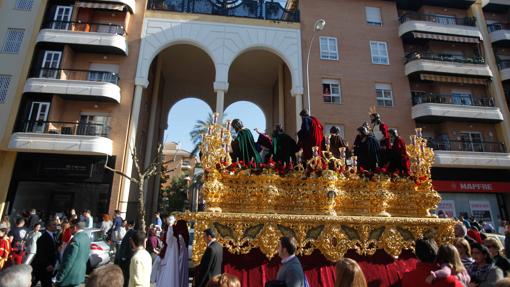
(332,208)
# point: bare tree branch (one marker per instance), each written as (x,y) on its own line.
(119,172)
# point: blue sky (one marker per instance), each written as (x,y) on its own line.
(185,113)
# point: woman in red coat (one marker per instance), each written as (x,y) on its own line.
(5,247)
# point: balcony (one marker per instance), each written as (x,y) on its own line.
(89,37)
(504,69)
(129,3)
(62,137)
(499,34)
(437,63)
(76,84)
(437,107)
(255,9)
(443,25)
(466,154)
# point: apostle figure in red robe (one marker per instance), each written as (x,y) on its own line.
(310,135)
(398,158)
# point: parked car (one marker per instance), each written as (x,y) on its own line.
(100,251)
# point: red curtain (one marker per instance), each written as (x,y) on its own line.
(253,269)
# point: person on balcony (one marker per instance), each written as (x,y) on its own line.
(310,135)
(397,155)
(284,146)
(243,146)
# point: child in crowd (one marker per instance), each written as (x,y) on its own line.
(5,247)
(449,261)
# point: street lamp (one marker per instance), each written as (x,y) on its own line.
(318,26)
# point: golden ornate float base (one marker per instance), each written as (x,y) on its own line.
(333,236)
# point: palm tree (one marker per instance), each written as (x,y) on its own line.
(198,130)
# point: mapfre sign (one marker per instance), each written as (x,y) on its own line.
(471,186)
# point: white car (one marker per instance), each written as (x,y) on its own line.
(100,251)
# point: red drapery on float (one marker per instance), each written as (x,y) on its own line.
(254,269)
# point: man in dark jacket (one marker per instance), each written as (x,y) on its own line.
(291,271)
(46,257)
(211,262)
(125,252)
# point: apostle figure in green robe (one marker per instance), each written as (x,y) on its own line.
(243,146)
(284,146)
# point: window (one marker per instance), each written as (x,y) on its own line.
(329,50)
(445,19)
(103,73)
(471,141)
(4,87)
(373,15)
(379,52)
(331,91)
(12,40)
(94,124)
(384,95)
(461,97)
(25,5)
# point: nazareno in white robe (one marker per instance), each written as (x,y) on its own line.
(168,274)
(183,263)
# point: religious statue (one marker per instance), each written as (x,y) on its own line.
(310,135)
(398,158)
(336,142)
(380,130)
(264,145)
(284,146)
(243,146)
(367,150)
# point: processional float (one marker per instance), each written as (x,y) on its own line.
(329,206)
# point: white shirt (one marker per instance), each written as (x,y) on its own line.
(288,258)
(140,269)
(211,242)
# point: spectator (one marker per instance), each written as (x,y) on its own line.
(46,257)
(211,262)
(450,264)
(141,263)
(5,247)
(117,229)
(87,218)
(474,233)
(464,251)
(5,223)
(502,227)
(426,252)
(153,243)
(349,274)
(488,227)
(291,271)
(157,219)
(74,261)
(495,250)
(224,280)
(31,243)
(33,219)
(461,232)
(17,236)
(16,276)
(125,252)
(483,272)
(507,241)
(106,225)
(106,276)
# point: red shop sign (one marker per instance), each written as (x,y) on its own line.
(471,186)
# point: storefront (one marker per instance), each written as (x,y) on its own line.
(54,183)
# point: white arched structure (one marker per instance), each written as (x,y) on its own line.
(223,42)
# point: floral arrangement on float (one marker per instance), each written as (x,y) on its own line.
(325,186)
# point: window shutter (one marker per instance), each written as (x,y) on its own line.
(373,15)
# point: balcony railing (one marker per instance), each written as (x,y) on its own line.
(498,26)
(258,9)
(444,58)
(72,74)
(469,146)
(453,99)
(503,64)
(439,19)
(65,128)
(86,27)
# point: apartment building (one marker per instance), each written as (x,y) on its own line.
(426,64)
(74,108)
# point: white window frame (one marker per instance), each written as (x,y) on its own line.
(326,51)
(24,5)
(332,95)
(386,94)
(373,16)
(445,19)
(13,40)
(376,56)
(5,81)
(48,65)
(62,17)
